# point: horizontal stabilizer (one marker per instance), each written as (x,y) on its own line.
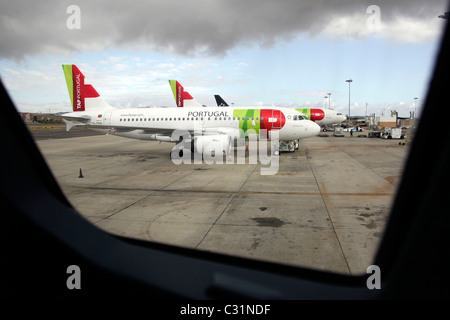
(72,121)
(69,124)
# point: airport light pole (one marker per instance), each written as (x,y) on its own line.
(349,82)
(415,107)
(329,100)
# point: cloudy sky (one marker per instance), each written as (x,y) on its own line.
(252,52)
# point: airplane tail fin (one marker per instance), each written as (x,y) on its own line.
(83,96)
(220,102)
(182,98)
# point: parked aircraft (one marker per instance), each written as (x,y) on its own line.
(220,102)
(216,125)
(322,117)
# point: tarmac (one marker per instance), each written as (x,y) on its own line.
(325,208)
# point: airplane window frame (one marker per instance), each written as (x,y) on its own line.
(42,227)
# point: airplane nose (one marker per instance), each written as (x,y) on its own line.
(315,128)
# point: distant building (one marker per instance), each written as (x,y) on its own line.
(405,123)
(386,122)
(29,117)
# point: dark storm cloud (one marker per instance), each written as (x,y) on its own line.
(186,27)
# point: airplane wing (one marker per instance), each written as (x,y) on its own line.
(164,132)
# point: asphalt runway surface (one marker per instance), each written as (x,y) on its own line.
(58,131)
(325,208)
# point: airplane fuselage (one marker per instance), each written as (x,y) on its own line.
(322,117)
(234,121)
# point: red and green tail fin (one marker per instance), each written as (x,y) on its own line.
(182,98)
(83,96)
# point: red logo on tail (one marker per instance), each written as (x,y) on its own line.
(317,114)
(179,95)
(182,95)
(81,90)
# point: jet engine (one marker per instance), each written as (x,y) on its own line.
(213,144)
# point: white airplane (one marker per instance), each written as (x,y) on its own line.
(216,123)
(323,117)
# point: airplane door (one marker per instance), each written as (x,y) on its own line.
(276,115)
(107,118)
